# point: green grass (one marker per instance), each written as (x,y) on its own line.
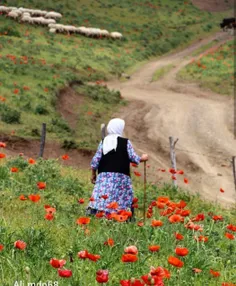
(161,72)
(52,61)
(61,238)
(214,71)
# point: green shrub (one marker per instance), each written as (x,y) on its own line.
(40,109)
(9,115)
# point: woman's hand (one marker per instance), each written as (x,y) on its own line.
(144,158)
(93,177)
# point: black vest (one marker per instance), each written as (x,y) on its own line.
(116,161)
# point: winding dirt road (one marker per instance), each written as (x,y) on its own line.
(201,119)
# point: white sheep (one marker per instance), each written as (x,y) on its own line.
(13,14)
(52,30)
(53,15)
(38,13)
(105,33)
(116,35)
(4,9)
(59,28)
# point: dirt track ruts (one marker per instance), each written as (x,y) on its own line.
(201,119)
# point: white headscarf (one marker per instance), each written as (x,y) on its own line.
(115,129)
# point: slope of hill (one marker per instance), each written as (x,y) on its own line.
(46,216)
(36,64)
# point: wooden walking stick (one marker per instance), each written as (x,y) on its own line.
(144,193)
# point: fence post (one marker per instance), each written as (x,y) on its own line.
(172,156)
(234,170)
(103,130)
(43,138)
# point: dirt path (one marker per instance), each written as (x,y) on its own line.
(200,119)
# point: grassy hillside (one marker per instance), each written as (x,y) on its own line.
(214,70)
(62,238)
(36,64)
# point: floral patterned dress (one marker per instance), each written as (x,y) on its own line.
(116,187)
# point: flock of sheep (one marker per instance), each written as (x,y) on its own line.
(49,19)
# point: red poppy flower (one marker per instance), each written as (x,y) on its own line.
(22,198)
(83,220)
(181,251)
(131,282)
(159,272)
(152,280)
(41,185)
(1,247)
(20,244)
(186,180)
(119,217)
(81,201)
(172,171)
(217,217)
(131,249)
(175,261)
(214,273)
(137,174)
(93,257)
(221,190)
(180,172)
(202,238)
(102,276)
(154,248)
(156,223)
(181,205)
(231,227)
(100,214)
(192,226)
(179,236)
(228,284)
(134,165)
(197,270)
(109,242)
(31,161)
(183,212)
(163,170)
(160,205)
(14,170)
(83,254)
(56,263)
(229,236)
(65,273)
(129,258)
(163,200)
(113,205)
(34,198)
(49,216)
(140,223)
(198,217)
(45,89)
(175,218)
(2,156)
(16,91)
(91,199)
(65,157)
(2,145)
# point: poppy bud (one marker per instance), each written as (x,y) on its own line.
(27,269)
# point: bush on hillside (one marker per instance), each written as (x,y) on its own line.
(9,115)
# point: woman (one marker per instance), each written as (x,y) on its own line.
(112,161)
